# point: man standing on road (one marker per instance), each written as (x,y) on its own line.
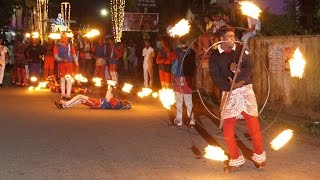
(65,54)
(242,101)
(148,55)
(4,54)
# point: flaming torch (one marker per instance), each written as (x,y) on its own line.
(111,83)
(92,33)
(297,64)
(250,9)
(30,88)
(127,88)
(282,139)
(167,97)
(33,79)
(180,29)
(215,153)
(81,78)
(97,81)
(145,92)
(155,94)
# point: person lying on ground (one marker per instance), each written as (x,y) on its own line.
(109,102)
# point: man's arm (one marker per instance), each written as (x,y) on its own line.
(55,52)
(215,74)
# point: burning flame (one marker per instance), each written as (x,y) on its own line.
(30,88)
(54,36)
(155,94)
(111,83)
(97,81)
(250,9)
(180,29)
(167,97)
(297,64)
(92,33)
(40,85)
(127,88)
(282,139)
(81,78)
(215,153)
(33,79)
(145,92)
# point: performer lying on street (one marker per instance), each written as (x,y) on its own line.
(242,101)
(55,86)
(104,103)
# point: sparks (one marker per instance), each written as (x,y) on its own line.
(215,153)
(297,64)
(250,9)
(30,88)
(127,88)
(180,29)
(167,97)
(282,139)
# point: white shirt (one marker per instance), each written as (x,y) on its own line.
(148,55)
(87,47)
(3,51)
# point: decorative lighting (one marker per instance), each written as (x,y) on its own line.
(42,14)
(66,13)
(117,15)
(104,12)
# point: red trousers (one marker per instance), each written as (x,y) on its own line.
(48,66)
(253,129)
(165,76)
(65,68)
(100,71)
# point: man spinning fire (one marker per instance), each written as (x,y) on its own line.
(109,102)
(242,101)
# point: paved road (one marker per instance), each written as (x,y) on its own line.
(39,141)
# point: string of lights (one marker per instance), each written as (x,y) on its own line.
(117,15)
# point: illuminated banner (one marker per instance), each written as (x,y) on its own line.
(146,3)
(141,22)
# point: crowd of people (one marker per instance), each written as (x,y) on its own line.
(174,61)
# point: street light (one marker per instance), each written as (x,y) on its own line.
(104,12)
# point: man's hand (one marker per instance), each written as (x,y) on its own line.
(236,84)
(233,67)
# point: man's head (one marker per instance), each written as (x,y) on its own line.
(64,38)
(147,43)
(206,18)
(226,33)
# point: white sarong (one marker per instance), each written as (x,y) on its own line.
(241,100)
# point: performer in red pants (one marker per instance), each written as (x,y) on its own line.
(242,102)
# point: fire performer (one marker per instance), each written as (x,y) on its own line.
(242,101)
(183,69)
(64,52)
(164,60)
(109,102)
(49,59)
(113,57)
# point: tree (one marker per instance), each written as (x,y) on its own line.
(6,11)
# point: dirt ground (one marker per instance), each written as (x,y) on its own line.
(39,141)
